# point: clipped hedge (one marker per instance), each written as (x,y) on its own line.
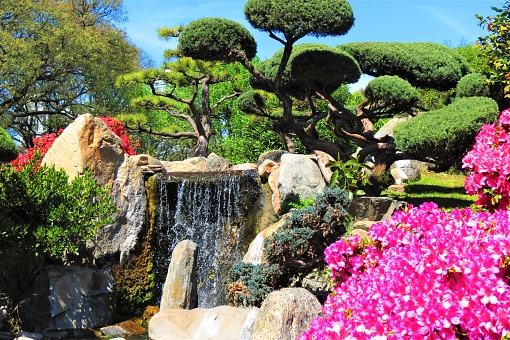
(443,136)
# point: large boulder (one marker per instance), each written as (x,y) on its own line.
(118,240)
(285,315)
(87,143)
(219,323)
(299,176)
(180,288)
(62,298)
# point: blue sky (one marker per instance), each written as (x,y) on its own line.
(442,21)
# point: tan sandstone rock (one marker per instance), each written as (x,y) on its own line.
(219,323)
(180,288)
(87,143)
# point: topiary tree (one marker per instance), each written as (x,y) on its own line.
(304,77)
(443,136)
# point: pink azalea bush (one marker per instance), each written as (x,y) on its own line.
(425,274)
(489,162)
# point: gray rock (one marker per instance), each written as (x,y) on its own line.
(68,298)
(372,208)
(399,176)
(410,167)
(219,323)
(29,336)
(274,155)
(299,175)
(217,163)
(248,324)
(180,288)
(118,240)
(387,129)
(285,315)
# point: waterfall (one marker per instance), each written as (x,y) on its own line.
(211,209)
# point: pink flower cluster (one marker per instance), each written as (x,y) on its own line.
(425,274)
(489,162)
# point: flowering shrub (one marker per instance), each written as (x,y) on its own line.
(43,143)
(489,162)
(425,274)
(118,129)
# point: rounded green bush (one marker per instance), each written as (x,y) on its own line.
(443,136)
(214,38)
(8,150)
(473,85)
(393,91)
(311,66)
(423,64)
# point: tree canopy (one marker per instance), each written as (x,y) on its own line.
(497,50)
(59,59)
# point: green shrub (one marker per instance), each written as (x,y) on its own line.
(473,85)
(8,150)
(44,215)
(443,136)
(41,210)
(249,284)
(393,92)
(292,251)
(351,175)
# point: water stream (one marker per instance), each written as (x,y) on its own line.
(212,210)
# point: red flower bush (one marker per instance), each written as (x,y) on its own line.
(41,145)
(118,129)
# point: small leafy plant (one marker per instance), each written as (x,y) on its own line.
(350,175)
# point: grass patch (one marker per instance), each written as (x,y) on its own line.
(446,190)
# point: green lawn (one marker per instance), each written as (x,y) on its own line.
(446,190)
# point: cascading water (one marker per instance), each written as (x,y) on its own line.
(212,210)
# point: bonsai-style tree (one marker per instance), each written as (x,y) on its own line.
(185,95)
(309,74)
